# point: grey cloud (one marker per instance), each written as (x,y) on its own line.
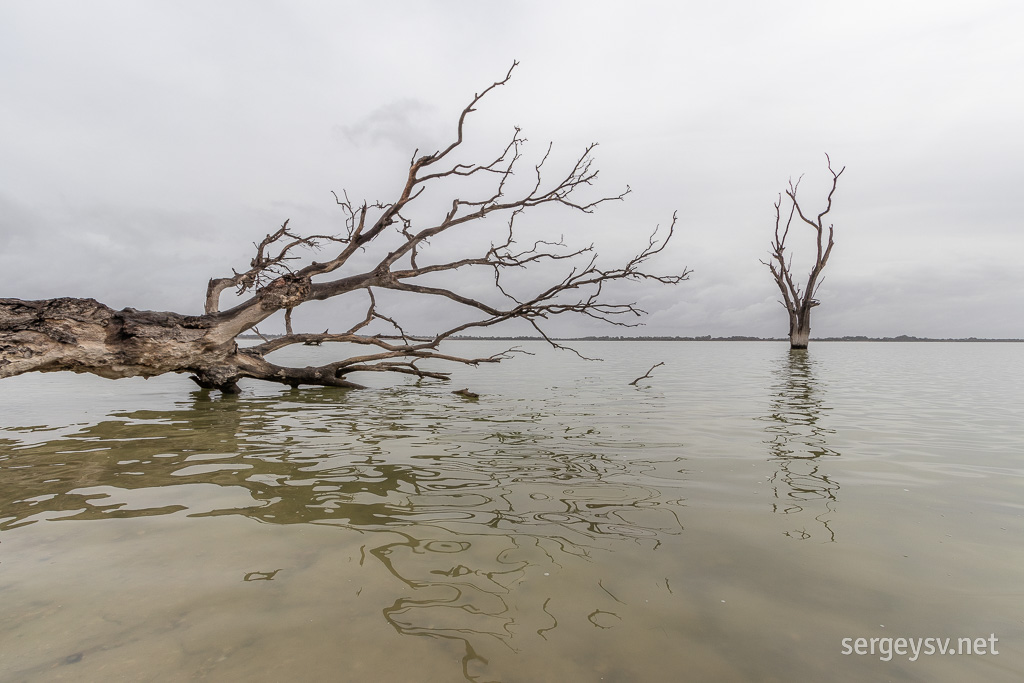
(138,162)
(405,124)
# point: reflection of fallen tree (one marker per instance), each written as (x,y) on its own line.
(471,524)
(303,459)
(798,444)
(464,590)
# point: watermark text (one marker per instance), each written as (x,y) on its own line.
(912,648)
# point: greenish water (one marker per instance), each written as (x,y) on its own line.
(733,519)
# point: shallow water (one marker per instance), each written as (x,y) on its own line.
(732,519)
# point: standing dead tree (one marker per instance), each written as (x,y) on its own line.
(798,300)
(385,246)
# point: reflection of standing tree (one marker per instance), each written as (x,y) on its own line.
(798,443)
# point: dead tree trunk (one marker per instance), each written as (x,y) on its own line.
(798,301)
(83,335)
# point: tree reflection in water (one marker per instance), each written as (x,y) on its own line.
(470,522)
(799,444)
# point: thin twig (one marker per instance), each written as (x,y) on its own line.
(645,376)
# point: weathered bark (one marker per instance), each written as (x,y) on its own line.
(800,334)
(798,301)
(83,335)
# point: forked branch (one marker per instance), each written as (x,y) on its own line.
(406,247)
(796,299)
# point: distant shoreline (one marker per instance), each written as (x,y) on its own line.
(899,339)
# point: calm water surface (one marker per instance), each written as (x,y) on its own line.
(733,519)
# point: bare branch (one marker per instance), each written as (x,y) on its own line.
(381,245)
(646,375)
(798,300)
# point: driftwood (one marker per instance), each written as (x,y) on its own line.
(636,382)
(83,335)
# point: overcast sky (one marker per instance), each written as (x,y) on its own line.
(145,145)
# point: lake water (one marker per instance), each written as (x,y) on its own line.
(734,518)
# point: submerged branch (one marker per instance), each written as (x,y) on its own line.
(647,375)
